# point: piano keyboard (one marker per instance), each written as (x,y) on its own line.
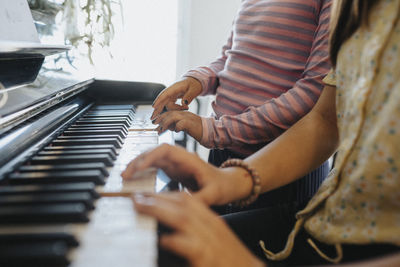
(54,210)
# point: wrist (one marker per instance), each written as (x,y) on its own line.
(196,85)
(195,128)
(251,174)
(237,184)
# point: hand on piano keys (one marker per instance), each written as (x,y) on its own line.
(205,181)
(53,202)
(196,233)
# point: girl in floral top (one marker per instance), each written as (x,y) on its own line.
(356,212)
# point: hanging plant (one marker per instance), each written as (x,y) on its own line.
(86,23)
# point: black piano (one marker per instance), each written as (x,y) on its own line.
(65,137)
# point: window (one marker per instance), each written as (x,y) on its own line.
(145,44)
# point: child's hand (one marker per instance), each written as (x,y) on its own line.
(187,90)
(180,121)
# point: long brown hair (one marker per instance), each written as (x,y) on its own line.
(346,17)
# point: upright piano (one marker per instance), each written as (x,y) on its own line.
(65,137)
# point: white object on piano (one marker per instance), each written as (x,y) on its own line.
(18,33)
(16,22)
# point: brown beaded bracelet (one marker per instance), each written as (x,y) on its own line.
(255,192)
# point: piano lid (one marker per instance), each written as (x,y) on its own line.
(53,84)
(30,49)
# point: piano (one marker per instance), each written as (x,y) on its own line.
(65,137)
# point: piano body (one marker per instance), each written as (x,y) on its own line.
(65,137)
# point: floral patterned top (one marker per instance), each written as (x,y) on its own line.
(359,202)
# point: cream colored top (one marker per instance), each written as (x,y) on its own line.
(359,202)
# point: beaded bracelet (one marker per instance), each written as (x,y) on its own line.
(255,192)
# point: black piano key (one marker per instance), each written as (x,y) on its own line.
(113,107)
(124,130)
(87,187)
(107,118)
(94,112)
(65,148)
(38,199)
(65,167)
(77,142)
(43,254)
(93,176)
(63,159)
(46,213)
(99,121)
(29,238)
(116,137)
(94,128)
(109,114)
(94,125)
(79,152)
(118,119)
(94,132)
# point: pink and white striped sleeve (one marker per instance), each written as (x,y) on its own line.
(256,126)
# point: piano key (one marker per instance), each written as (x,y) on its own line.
(116,119)
(122,118)
(77,142)
(46,213)
(94,128)
(113,107)
(37,199)
(87,187)
(95,132)
(117,111)
(48,198)
(116,137)
(99,121)
(66,148)
(93,176)
(63,159)
(44,254)
(27,237)
(93,125)
(108,117)
(99,114)
(109,152)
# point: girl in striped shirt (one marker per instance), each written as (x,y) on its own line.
(268,77)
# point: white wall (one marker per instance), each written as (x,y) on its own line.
(204,26)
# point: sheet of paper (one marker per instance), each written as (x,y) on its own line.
(16,22)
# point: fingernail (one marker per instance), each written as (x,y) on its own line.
(186,102)
(139,198)
(143,199)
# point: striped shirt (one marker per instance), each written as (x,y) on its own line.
(269,75)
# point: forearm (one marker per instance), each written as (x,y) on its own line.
(299,150)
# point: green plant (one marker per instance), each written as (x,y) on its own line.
(86,22)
